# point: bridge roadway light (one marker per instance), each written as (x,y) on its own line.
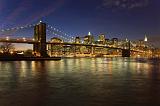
(7,38)
(11,52)
(24,39)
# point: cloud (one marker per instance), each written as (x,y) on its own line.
(125,4)
(2,5)
(49,9)
(19,10)
(28,11)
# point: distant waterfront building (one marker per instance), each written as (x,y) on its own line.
(56,40)
(77,40)
(115,41)
(107,40)
(88,39)
(101,39)
(54,50)
(140,43)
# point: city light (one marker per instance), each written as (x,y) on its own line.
(79,53)
(24,39)
(7,38)
(88,41)
(11,52)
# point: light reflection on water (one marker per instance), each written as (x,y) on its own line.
(80,82)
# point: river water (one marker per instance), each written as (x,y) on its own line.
(80,82)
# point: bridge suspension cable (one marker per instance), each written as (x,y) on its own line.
(17,31)
(50,31)
(17,28)
(59,33)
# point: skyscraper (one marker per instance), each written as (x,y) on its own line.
(145,38)
(101,39)
(89,39)
(77,40)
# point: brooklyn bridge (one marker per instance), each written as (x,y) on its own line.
(64,44)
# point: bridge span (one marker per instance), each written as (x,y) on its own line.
(40,44)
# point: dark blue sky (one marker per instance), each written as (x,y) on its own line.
(115,18)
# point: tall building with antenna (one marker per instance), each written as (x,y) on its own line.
(145,38)
(88,39)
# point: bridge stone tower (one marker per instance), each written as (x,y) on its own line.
(126,52)
(40,36)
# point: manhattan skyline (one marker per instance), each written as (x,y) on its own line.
(79,53)
(130,19)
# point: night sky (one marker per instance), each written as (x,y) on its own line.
(116,18)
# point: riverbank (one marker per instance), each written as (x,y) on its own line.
(29,58)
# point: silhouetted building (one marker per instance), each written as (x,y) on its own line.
(107,40)
(141,43)
(56,40)
(115,41)
(55,49)
(77,40)
(102,39)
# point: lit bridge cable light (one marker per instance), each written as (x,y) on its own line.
(59,33)
(15,30)
(15,34)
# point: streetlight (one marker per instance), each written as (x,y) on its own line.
(24,39)
(7,38)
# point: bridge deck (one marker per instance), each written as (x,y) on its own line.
(29,41)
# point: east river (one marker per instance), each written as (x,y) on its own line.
(80,82)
